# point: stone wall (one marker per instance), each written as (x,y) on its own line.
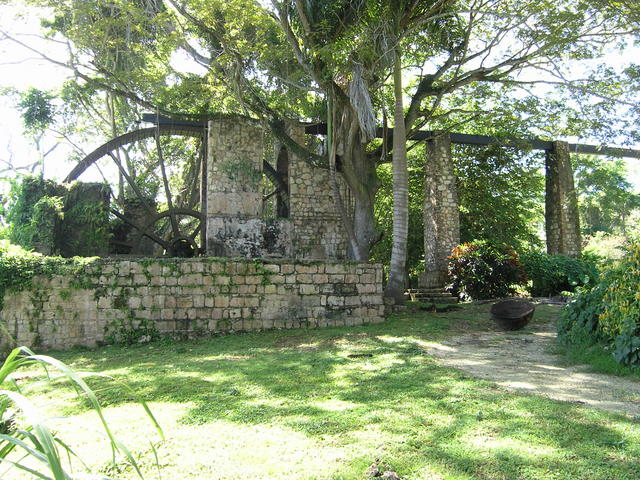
(135,300)
(441,214)
(313,227)
(318,229)
(562,221)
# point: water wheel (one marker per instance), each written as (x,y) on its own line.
(162,169)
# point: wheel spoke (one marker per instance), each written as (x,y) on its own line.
(174,222)
(142,230)
(196,231)
(131,183)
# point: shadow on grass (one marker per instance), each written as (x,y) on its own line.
(345,382)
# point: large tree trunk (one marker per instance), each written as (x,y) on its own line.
(359,171)
(397,270)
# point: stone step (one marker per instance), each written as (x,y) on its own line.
(427,291)
(421,298)
(445,301)
(430,295)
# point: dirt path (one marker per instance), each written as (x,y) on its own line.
(522,361)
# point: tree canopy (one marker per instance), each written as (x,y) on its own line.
(484,62)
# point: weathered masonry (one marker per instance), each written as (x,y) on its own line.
(114,300)
(286,271)
(309,227)
(241,193)
(441,219)
(440,211)
(562,222)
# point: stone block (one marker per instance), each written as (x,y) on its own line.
(309,289)
(221,302)
(185,301)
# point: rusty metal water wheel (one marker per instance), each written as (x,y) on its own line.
(177,229)
(168,222)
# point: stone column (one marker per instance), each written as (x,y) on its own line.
(440,210)
(562,222)
(234,199)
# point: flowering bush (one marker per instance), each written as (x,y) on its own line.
(610,311)
(479,270)
(620,319)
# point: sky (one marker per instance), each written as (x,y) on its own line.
(21,69)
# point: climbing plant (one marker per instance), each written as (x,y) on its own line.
(23,198)
(86,228)
(59,219)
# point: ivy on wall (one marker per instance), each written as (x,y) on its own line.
(71,220)
(33,201)
(19,266)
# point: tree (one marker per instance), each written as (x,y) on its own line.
(284,59)
(501,195)
(398,268)
(605,196)
(37,114)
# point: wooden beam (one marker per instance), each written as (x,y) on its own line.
(457,138)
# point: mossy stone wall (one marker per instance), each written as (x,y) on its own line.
(134,301)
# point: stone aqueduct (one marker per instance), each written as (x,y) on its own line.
(277,273)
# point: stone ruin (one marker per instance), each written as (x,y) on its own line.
(283,272)
(310,228)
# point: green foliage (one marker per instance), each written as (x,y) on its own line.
(500,192)
(86,229)
(18,267)
(24,196)
(27,443)
(553,274)
(37,110)
(620,319)
(578,323)
(604,245)
(606,198)
(481,270)
(46,219)
(610,311)
(55,218)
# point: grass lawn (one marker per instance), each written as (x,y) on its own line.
(324,404)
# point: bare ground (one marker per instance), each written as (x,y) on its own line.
(523,360)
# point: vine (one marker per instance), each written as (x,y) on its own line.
(18,267)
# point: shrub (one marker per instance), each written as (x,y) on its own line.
(480,270)
(605,245)
(609,312)
(553,274)
(620,319)
(578,322)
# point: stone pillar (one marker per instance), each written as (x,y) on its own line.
(440,210)
(235,227)
(562,222)
(234,173)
